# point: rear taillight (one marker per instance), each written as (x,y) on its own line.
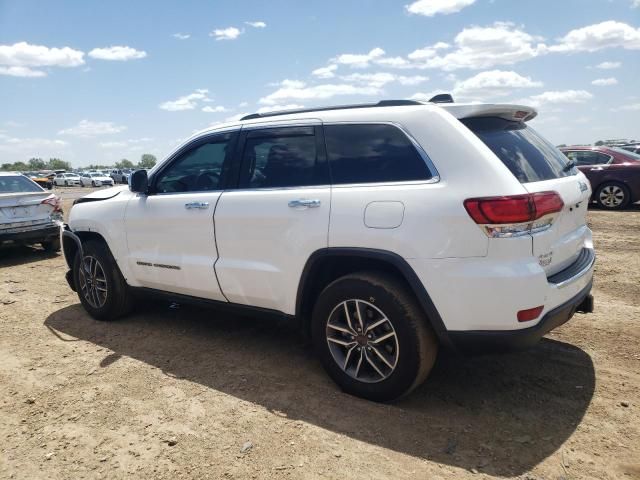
(516,214)
(53,201)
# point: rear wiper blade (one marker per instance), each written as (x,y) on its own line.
(569,165)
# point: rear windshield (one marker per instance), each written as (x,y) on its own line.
(17,184)
(525,153)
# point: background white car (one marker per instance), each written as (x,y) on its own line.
(66,179)
(95,179)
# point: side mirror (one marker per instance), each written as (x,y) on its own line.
(138,181)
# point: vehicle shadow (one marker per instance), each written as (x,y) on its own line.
(12,255)
(499,414)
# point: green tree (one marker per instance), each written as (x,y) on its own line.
(37,164)
(147,161)
(124,163)
(599,143)
(19,167)
(58,164)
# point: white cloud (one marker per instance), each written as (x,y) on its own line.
(556,97)
(229,33)
(429,8)
(256,24)
(132,143)
(635,3)
(358,60)
(492,83)
(296,90)
(181,36)
(632,107)
(187,102)
(325,72)
(216,109)
(16,60)
(21,72)
(37,147)
(609,65)
(605,82)
(88,128)
(599,36)
(380,79)
(118,53)
(481,47)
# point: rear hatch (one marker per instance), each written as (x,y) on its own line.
(540,167)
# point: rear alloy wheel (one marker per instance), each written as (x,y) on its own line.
(613,196)
(372,337)
(101,287)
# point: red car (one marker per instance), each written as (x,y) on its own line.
(614,174)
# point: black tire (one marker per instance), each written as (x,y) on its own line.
(413,353)
(66,184)
(613,196)
(52,245)
(93,184)
(118,300)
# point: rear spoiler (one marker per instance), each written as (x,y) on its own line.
(518,113)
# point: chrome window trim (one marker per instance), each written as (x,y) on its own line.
(435,175)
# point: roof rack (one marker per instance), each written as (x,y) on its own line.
(382,103)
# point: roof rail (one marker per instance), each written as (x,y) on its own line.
(381,103)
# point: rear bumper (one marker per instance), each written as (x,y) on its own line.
(481,341)
(36,235)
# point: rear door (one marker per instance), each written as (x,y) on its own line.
(268,227)
(541,167)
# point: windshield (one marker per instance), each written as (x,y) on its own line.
(626,153)
(17,184)
(528,156)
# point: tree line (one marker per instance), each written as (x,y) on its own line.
(36,164)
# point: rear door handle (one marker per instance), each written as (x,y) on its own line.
(303,202)
(199,205)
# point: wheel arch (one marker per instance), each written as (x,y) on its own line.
(72,243)
(328,264)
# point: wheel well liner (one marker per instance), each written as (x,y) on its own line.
(328,264)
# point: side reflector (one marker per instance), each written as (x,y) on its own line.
(530,314)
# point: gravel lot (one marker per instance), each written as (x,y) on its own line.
(191,393)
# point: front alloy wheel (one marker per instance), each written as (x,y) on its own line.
(93,282)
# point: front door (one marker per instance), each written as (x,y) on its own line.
(268,227)
(170,231)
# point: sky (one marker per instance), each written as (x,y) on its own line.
(93,82)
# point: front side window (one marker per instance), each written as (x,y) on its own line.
(372,153)
(199,169)
(282,157)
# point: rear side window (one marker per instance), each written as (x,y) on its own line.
(282,157)
(17,184)
(369,153)
(526,154)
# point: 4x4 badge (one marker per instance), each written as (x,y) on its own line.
(583,186)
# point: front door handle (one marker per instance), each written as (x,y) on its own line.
(199,205)
(303,202)
(596,169)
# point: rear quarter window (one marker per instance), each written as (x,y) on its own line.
(528,156)
(372,153)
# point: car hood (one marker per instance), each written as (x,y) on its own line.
(105,194)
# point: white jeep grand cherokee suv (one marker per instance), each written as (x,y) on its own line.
(386,230)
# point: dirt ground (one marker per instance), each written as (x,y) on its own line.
(191,393)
